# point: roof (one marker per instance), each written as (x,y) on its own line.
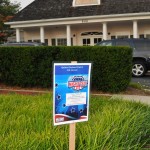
(53,9)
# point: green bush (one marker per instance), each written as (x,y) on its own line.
(32,66)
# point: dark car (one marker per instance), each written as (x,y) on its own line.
(23,44)
(141,53)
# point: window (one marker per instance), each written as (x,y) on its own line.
(131,36)
(37,40)
(53,42)
(13,44)
(86,42)
(142,45)
(27,44)
(148,36)
(141,36)
(106,43)
(46,41)
(91,33)
(60,41)
(122,36)
(113,37)
(122,43)
(85,2)
(97,40)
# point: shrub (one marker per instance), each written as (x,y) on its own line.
(32,66)
(111,65)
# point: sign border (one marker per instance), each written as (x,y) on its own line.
(89,83)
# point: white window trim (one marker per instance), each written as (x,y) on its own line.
(74,3)
(89,37)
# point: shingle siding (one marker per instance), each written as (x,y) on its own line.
(51,9)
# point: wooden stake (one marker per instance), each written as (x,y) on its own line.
(72,131)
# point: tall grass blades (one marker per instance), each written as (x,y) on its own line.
(114,125)
(26,124)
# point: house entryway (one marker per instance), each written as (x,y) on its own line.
(90,38)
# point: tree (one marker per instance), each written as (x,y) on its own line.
(7,11)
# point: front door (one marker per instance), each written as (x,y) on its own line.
(90,38)
(90,41)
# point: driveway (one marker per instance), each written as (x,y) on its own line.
(145,81)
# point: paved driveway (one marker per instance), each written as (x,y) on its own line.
(145,81)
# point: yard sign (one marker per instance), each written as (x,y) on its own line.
(71,85)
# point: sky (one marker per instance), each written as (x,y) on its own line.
(23,3)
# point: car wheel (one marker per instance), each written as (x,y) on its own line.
(138,69)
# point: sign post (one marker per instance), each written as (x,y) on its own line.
(71,85)
(72,136)
(72,131)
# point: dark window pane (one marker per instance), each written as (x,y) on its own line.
(46,41)
(71,41)
(37,40)
(113,37)
(62,42)
(84,41)
(53,42)
(106,43)
(142,45)
(95,40)
(131,36)
(141,36)
(88,41)
(99,39)
(122,43)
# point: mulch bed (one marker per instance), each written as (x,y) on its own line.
(4,89)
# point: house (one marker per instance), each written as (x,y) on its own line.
(82,22)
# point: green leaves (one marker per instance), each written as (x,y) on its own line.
(32,66)
(7,8)
(7,11)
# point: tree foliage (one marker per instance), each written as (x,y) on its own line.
(7,11)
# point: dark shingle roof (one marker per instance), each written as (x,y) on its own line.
(52,9)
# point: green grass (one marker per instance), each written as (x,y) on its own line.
(26,124)
(136,85)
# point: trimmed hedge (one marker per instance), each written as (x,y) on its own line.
(32,66)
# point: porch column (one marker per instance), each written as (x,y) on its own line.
(42,34)
(104,31)
(68,30)
(135,29)
(17,35)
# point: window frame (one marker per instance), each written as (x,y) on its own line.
(75,5)
(57,41)
(123,41)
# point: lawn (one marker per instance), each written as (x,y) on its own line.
(26,124)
